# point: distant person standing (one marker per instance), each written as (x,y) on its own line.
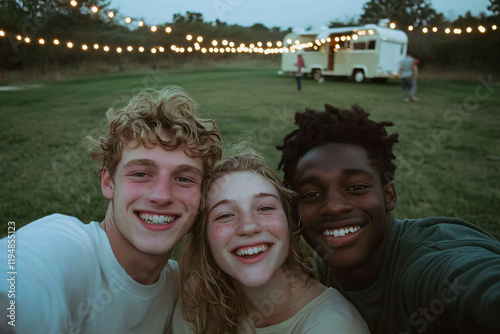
(408,71)
(414,80)
(300,64)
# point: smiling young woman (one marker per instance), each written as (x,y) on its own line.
(243,268)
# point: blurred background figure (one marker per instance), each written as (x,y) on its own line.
(408,72)
(300,64)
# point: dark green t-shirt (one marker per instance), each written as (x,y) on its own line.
(440,275)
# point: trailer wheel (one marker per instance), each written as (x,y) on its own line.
(317,74)
(359,76)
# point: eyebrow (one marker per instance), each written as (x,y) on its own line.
(227,201)
(345,172)
(141,162)
(152,163)
(357,171)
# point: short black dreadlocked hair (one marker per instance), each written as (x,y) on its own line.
(338,126)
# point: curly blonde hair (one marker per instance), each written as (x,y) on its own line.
(209,299)
(147,117)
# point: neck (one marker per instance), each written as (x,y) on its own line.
(141,267)
(362,277)
(278,299)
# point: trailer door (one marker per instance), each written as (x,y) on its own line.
(389,56)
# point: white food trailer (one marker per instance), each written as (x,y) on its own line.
(368,51)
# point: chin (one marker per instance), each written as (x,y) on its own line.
(345,261)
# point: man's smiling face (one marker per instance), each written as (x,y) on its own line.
(154,198)
(344,206)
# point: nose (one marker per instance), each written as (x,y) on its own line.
(248,224)
(161,192)
(335,203)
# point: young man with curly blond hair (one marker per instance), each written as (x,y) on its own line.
(116,276)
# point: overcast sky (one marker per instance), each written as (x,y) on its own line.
(271,13)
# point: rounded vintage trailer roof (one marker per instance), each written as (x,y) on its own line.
(387,34)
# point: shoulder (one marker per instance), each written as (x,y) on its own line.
(333,310)
(55,237)
(443,232)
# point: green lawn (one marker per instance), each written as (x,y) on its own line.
(448,157)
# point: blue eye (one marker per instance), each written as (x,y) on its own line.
(184,179)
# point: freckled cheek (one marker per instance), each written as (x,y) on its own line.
(218,236)
(192,198)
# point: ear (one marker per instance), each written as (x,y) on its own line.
(107,185)
(390,196)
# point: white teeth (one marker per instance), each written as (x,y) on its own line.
(342,231)
(156,220)
(251,251)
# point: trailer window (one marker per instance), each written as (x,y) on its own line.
(359,46)
(371,45)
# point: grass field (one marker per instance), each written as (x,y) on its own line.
(448,157)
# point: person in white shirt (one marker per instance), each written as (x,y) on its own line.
(115,276)
(243,269)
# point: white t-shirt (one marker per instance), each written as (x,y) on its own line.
(330,312)
(69,281)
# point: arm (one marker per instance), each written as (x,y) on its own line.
(456,286)
(47,261)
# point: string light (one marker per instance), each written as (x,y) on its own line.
(41,41)
(27,40)
(2,33)
(69,45)
(128,20)
(94,9)
(392,25)
(111,15)
(168,30)
(96,46)
(84,47)
(73,3)
(56,42)
(153,28)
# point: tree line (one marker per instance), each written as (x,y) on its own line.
(59,19)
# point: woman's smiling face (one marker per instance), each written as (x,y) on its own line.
(247,227)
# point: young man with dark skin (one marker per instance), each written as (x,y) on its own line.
(431,275)
(116,276)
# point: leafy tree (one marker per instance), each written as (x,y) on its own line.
(494,7)
(403,12)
